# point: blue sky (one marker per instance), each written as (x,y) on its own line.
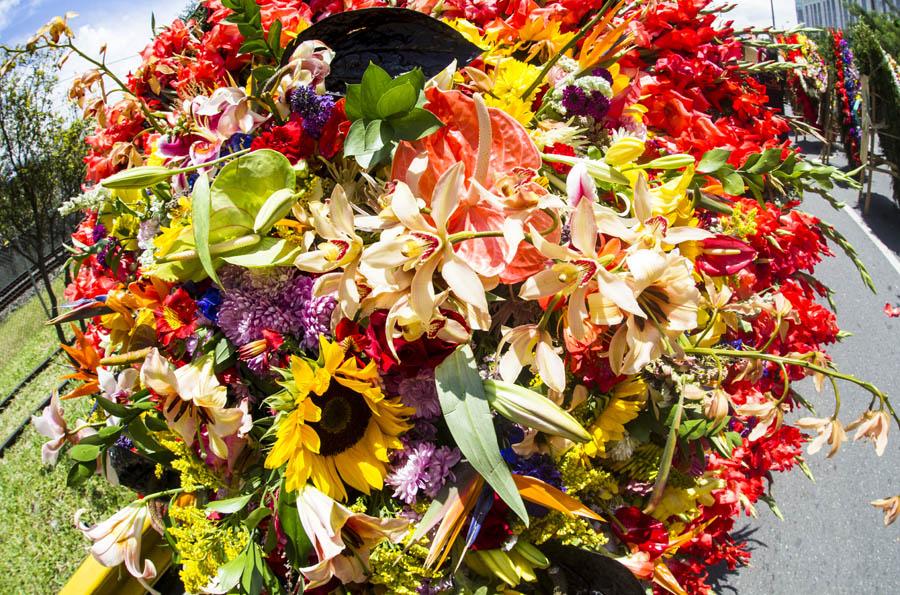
(125,24)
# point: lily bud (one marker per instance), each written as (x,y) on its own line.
(716,405)
(138,177)
(533,410)
(624,150)
(671,162)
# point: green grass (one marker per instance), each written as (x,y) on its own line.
(25,341)
(40,547)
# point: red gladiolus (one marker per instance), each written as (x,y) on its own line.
(641,530)
(724,255)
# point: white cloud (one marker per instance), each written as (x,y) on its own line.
(13,10)
(758,13)
(125,32)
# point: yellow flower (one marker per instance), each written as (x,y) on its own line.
(336,425)
(628,400)
(511,80)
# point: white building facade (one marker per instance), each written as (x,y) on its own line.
(833,13)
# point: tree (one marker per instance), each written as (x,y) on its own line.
(41,162)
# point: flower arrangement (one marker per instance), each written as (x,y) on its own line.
(432,299)
(808,83)
(849,96)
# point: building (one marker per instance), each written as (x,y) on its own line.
(834,13)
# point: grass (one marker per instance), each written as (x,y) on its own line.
(25,340)
(39,544)
(40,547)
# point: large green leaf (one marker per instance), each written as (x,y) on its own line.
(268,252)
(200,209)
(468,416)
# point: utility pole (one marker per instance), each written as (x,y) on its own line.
(772,6)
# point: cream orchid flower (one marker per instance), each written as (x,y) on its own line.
(768,414)
(192,396)
(52,425)
(875,426)
(529,345)
(404,322)
(415,244)
(340,250)
(829,430)
(580,272)
(341,538)
(664,288)
(118,539)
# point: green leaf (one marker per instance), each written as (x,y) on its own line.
(375,83)
(353,103)
(355,143)
(84,453)
(223,354)
(201,203)
(229,574)
(230,505)
(114,408)
(242,187)
(80,473)
(299,544)
(769,160)
(418,123)
(374,140)
(154,424)
(733,184)
(274,39)
(712,161)
(399,99)
(468,417)
(255,517)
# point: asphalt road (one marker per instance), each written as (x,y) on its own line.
(832,541)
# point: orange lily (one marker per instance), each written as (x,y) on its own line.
(85,360)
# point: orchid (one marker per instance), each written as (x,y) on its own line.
(427,247)
(51,424)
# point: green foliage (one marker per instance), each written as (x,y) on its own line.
(466,411)
(385,111)
(248,19)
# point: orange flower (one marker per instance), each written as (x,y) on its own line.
(85,360)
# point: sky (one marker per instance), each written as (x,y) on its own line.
(125,24)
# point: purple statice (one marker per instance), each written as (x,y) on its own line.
(277,300)
(581,102)
(315,109)
(316,320)
(421,467)
(99,232)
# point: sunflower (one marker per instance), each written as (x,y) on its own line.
(335,425)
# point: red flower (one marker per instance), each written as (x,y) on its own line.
(724,255)
(335,131)
(641,530)
(425,352)
(288,139)
(176,318)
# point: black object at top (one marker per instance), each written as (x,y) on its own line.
(396,39)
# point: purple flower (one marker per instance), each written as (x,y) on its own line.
(578,102)
(421,467)
(278,300)
(420,393)
(315,109)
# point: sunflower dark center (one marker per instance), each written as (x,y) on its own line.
(345,417)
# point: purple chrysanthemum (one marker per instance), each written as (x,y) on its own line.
(421,467)
(278,300)
(315,109)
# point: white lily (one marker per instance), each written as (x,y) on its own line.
(118,539)
(192,396)
(52,425)
(340,537)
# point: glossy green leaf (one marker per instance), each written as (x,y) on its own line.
(84,453)
(418,123)
(712,161)
(468,417)
(80,473)
(733,184)
(256,517)
(396,100)
(268,252)
(299,544)
(229,574)
(230,505)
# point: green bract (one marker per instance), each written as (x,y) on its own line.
(231,216)
(385,111)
